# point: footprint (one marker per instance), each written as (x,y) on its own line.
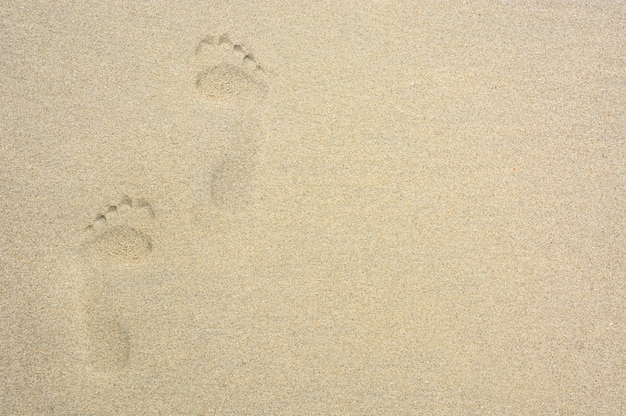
(116,243)
(227,71)
(120,233)
(229,76)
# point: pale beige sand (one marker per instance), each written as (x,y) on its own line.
(376,207)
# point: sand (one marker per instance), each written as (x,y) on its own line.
(359,208)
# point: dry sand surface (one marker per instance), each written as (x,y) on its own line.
(346,208)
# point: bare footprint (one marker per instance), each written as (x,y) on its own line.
(121,232)
(227,71)
(229,76)
(116,243)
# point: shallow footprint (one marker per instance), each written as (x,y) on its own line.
(228,75)
(121,232)
(227,71)
(115,244)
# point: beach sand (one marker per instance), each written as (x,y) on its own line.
(356,208)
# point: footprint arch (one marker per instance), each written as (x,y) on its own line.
(233,183)
(108,343)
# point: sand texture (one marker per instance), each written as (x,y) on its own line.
(325,208)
